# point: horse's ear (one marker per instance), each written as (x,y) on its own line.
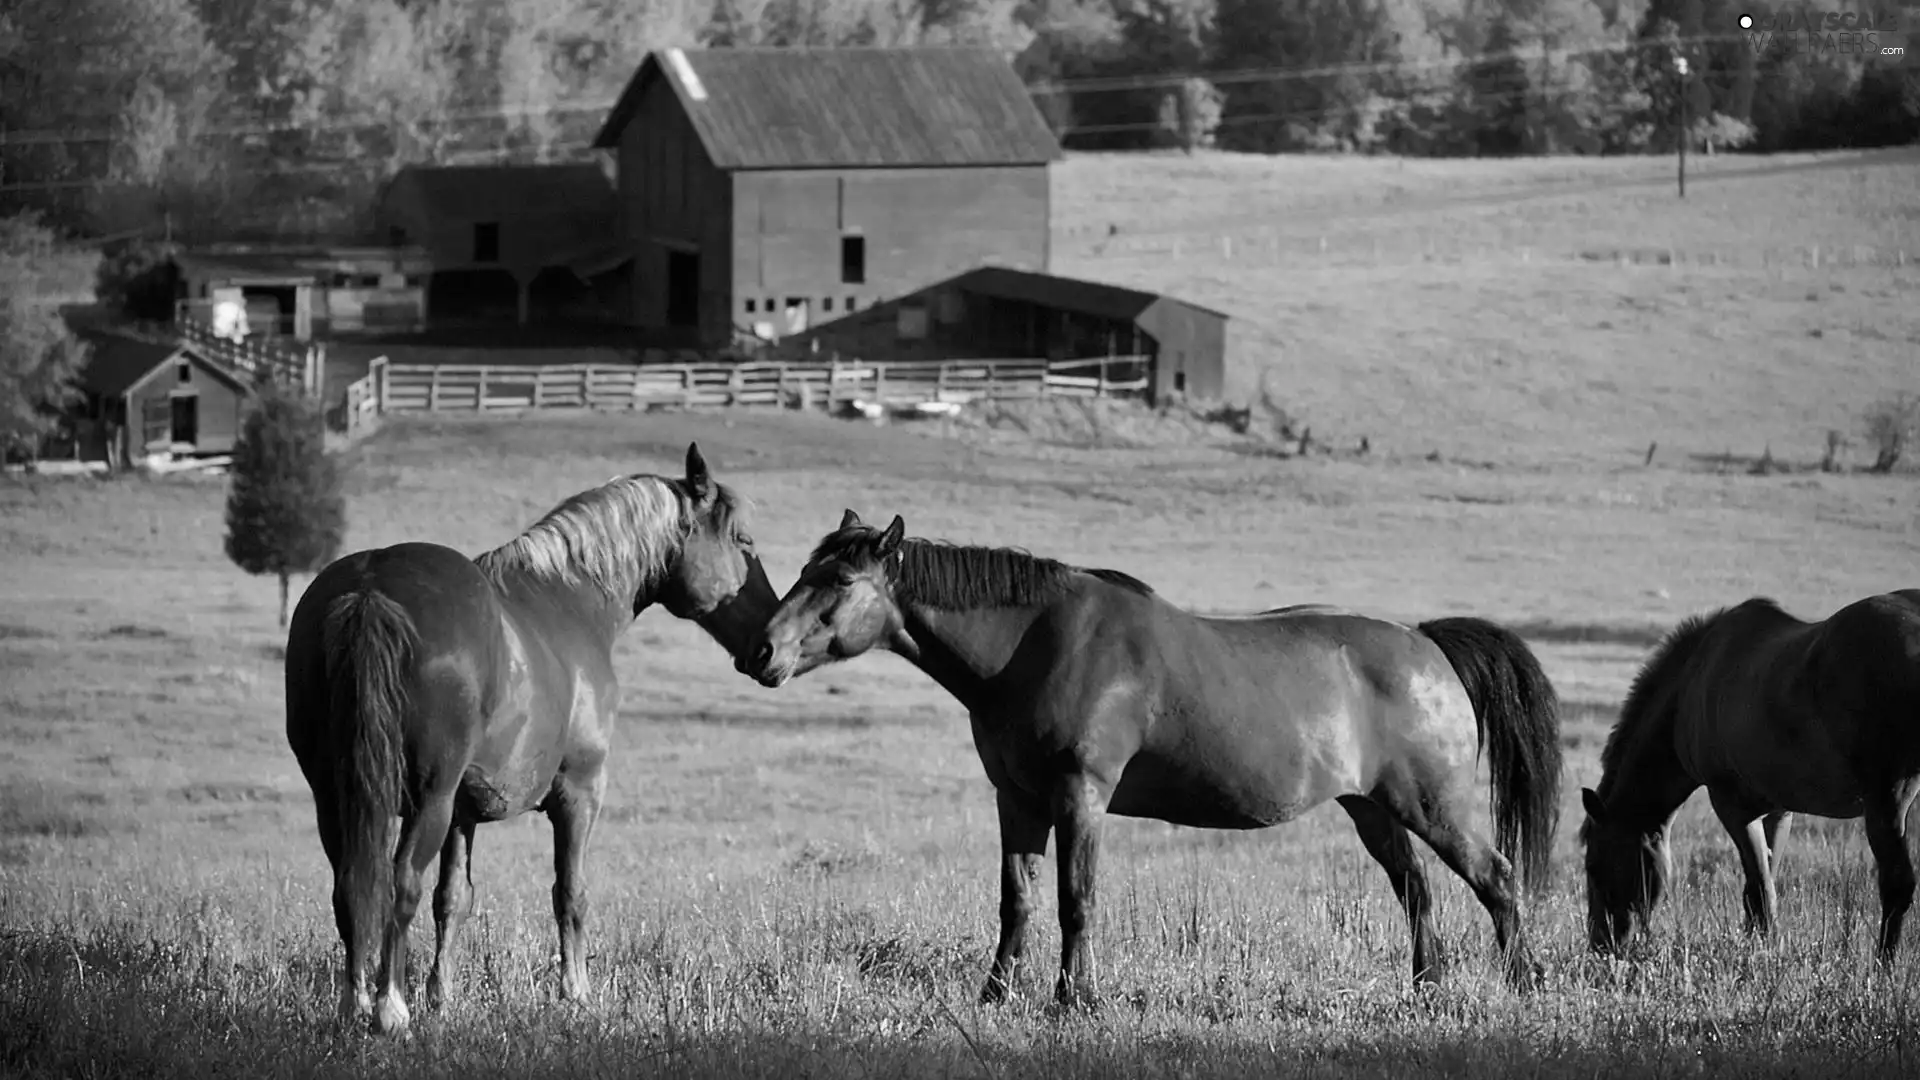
(849,520)
(890,540)
(699,480)
(1590,799)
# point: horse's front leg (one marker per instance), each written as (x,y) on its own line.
(1746,823)
(1023,843)
(574,808)
(1079,803)
(452,903)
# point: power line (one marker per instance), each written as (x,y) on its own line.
(1086,84)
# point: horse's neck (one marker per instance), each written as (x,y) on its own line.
(1648,782)
(962,650)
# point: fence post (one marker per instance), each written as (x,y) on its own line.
(480,394)
(940,383)
(539,388)
(433,390)
(1100,380)
(880,384)
(380,386)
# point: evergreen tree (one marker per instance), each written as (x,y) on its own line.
(285,511)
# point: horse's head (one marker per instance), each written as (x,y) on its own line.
(1627,870)
(716,561)
(841,605)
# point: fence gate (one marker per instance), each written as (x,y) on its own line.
(156,425)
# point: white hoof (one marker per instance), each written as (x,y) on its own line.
(391,1017)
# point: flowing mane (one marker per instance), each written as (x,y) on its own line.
(615,537)
(955,577)
(1659,676)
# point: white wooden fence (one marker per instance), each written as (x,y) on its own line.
(399,388)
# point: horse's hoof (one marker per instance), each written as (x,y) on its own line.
(391,1018)
(995,992)
(1076,999)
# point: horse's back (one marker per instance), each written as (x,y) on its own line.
(1258,718)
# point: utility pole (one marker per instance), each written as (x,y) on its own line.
(1680,66)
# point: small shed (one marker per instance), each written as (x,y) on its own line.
(995,312)
(147,395)
(508,241)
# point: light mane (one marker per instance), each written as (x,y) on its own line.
(616,537)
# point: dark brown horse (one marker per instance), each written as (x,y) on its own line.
(1772,715)
(1091,695)
(446,691)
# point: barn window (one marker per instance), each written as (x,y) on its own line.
(853,260)
(486,241)
(826,303)
(396,236)
(185,372)
(849,306)
(769,308)
(413,281)
(369,281)
(749,305)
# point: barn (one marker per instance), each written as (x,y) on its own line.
(505,242)
(145,395)
(763,190)
(995,312)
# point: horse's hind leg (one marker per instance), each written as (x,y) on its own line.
(1441,820)
(1023,843)
(1886,821)
(1746,824)
(573,807)
(1390,845)
(421,837)
(452,901)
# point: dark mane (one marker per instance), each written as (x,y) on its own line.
(956,577)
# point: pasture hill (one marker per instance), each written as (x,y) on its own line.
(805,880)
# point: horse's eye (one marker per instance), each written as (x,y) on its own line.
(743,539)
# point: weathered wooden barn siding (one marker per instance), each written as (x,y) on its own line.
(919,226)
(671,194)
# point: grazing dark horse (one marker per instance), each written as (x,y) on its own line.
(1091,695)
(446,691)
(1773,716)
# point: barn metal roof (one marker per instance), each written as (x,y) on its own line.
(1067,294)
(856,107)
(117,361)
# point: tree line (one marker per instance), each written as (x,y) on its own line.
(207,116)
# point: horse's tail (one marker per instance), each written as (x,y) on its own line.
(370,641)
(1519,719)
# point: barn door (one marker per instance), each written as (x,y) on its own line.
(683,288)
(155,417)
(184,421)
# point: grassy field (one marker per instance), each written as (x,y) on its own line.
(802,882)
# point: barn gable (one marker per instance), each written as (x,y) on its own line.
(846,107)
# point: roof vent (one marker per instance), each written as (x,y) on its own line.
(677,59)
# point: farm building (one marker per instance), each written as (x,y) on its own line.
(994,312)
(307,293)
(145,395)
(506,242)
(764,190)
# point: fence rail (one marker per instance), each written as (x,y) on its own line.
(394,388)
(301,365)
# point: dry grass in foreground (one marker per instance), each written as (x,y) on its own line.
(801,882)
